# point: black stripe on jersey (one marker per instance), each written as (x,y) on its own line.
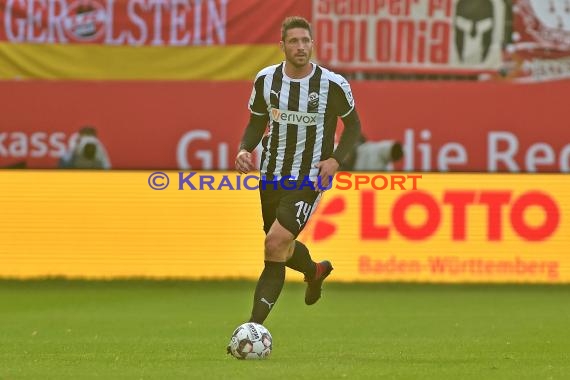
(274,99)
(259,105)
(311,134)
(330,120)
(292,129)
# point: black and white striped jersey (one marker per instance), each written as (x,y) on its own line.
(302,115)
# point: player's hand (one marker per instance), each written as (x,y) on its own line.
(244,161)
(327,170)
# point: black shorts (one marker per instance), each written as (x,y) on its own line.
(292,208)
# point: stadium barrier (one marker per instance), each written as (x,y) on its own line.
(492,228)
(450,126)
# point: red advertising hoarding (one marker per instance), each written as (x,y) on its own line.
(146,22)
(541,41)
(414,36)
(198,125)
(523,40)
(141,39)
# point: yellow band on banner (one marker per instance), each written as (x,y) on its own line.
(453,228)
(94,62)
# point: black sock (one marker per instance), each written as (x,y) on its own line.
(301,260)
(267,290)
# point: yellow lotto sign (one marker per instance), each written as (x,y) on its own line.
(373,227)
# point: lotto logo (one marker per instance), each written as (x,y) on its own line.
(460,215)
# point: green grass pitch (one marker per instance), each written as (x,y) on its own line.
(57,329)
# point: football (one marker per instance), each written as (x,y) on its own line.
(250,341)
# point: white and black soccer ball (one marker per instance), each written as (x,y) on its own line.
(250,341)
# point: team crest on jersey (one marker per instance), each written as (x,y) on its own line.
(313,102)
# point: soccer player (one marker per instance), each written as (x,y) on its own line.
(301,101)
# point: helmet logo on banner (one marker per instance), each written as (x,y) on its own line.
(474,24)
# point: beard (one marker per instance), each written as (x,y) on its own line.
(299,62)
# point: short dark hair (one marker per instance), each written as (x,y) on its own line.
(294,22)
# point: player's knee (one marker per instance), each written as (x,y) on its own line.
(276,247)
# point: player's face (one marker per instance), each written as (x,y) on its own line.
(297,47)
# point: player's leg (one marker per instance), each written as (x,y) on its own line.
(303,204)
(315,283)
(301,260)
(278,246)
(272,277)
(315,273)
(294,212)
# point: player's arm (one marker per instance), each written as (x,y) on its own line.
(253,132)
(345,108)
(348,139)
(255,129)
(349,136)
(343,103)
(251,137)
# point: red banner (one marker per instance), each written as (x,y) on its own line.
(423,35)
(141,39)
(182,125)
(145,22)
(541,41)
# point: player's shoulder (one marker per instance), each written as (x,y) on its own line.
(333,77)
(269,70)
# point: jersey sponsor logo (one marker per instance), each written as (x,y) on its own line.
(293,117)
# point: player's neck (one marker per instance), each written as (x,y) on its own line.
(294,72)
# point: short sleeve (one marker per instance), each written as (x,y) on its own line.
(342,96)
(256,102)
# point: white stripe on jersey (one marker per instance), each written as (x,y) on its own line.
(314,173)
(301,132)
(282,142)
